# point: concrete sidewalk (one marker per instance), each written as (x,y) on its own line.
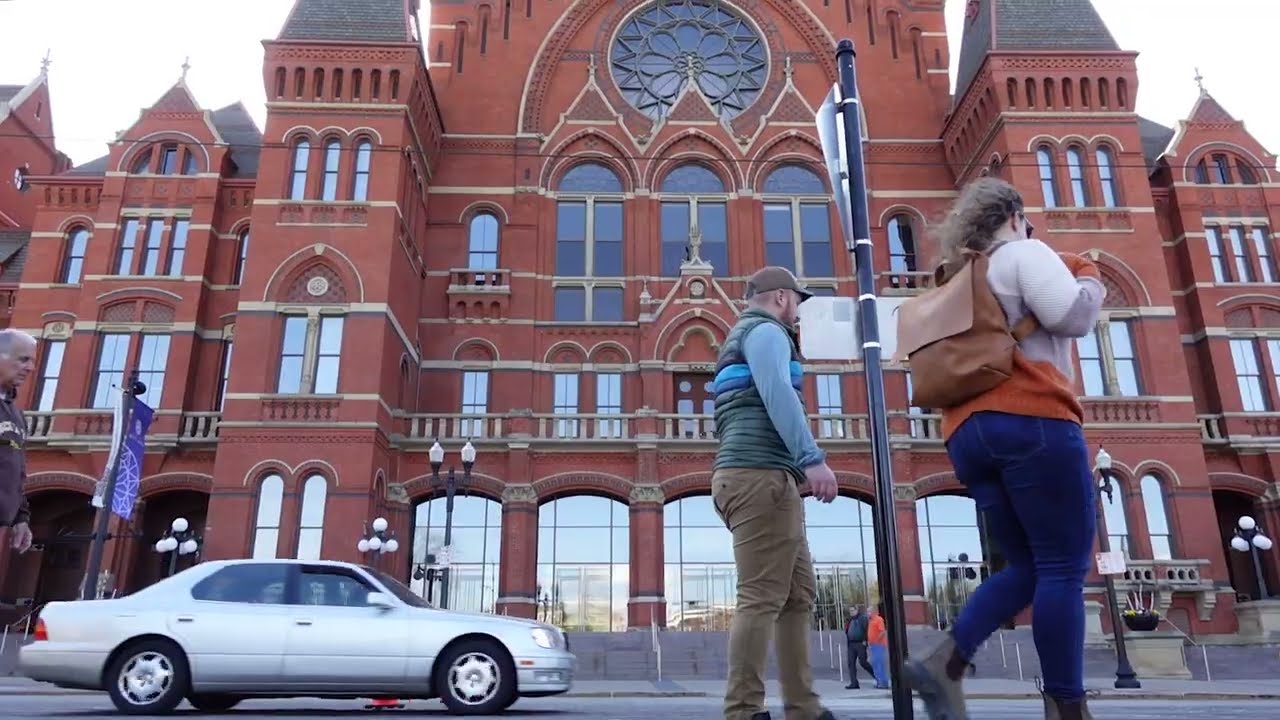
(977,689)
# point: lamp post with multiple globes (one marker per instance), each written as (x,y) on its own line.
(1250,538)
(181,539)
(450,487)
(378,542)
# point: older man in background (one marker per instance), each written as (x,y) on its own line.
(17,360)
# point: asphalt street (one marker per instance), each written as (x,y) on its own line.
(89,706)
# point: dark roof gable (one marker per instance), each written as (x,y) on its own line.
(1155,138)
(237,128)
(384,21)
(1051,25)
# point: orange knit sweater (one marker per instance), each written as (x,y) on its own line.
(1037,389)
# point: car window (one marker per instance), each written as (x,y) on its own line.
(333,589)
(255,583)
(397,588)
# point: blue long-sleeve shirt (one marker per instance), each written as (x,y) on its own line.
(768,352)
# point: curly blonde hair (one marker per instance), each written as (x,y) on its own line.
(983,206)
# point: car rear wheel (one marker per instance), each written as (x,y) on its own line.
(149,677)
(476,677)
(212,702)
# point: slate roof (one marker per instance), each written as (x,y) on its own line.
(348,21)
(1029,25)
(13,254)
(8,91)
(1155,138)
(236,126)
(97,166)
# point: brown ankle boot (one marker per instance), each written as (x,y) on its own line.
(1055,709)
(937,678)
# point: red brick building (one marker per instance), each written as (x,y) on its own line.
(486,236)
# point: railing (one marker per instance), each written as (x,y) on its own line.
(1255,424)
(300,409)
(479,281)
(200,426)
(1168,574)
(905,283)
(1212,429)
(1121,410)
(39,424)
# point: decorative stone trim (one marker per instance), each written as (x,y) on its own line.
(647,494)
(519,495)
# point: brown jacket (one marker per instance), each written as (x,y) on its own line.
(13,463)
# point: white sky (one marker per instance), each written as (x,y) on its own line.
(113,57)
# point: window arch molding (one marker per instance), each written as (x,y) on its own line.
(796,216)
(150,140)
(574,150)
(284,273)
(770,157)
(1237,151)
(74,250)
(704,149)
(481,207)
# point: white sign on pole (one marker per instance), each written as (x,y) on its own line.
(827,329)
(1111,563)
(444,556)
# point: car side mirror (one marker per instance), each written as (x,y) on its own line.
(379,600)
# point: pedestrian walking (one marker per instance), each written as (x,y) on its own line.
(17,360)
(878,641)
(766,458)
(856,634)
(1012,427)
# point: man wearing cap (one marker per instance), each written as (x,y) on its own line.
(767,456)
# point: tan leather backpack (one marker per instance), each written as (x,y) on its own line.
(956,337)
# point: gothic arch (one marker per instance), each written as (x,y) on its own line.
(475,350)
(566,352)
(420,489)
(64,481)
(263,468)
(569,29)
(315,466)
(568,483)
(690,330)
(1160,469)
(312,282)
(1053,142)
(566,155)
(1243,484)
(304,258)
(1123,275)
(802,149)
(687,316)
(704,150)
(168,482)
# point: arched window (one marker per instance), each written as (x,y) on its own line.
(694,197)
(1107,177)
(332,157)
(242,254)
(902,249)
(1075,171)
(266,530)
(483,242)
(476,540)
(701,578)
(168,159)
(797,222)
(1247,175)
(298,177)
(1048,183)
(953,552)
(1157,519)
(584,554)
(1116,519)
(311,519)
(73,264)
(141,164)
(360,179)
(843,545)
(589,245)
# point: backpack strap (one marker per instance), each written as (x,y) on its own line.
(1025,327)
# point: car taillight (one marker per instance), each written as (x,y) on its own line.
(42,632)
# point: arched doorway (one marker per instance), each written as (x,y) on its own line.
(152,521)
(584,554)
(476,540)
(1229,506)
(61,523)
(955,554)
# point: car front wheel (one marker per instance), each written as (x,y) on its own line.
(476,677)
(149,677)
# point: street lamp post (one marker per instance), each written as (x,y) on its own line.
(379,541)
(1250,538)
(181,539)
(450,484)
(1125,677)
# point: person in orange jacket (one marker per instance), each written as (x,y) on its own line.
(878,644)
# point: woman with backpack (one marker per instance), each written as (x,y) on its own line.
(995,341)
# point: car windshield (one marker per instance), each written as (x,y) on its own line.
(399,589)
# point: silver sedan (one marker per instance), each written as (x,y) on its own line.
(224,631)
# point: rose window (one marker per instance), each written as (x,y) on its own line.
(670,43)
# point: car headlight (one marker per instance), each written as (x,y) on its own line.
(544,638)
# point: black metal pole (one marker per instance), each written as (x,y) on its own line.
(450,487)
(885,520)
(1257,569)
(1126,679)
(89,589)
(173,560)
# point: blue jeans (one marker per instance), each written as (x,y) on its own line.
(880,664)
(1031,479)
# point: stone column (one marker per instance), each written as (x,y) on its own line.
(518,556)
(908,552)
(647,602)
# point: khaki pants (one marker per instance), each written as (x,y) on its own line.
(776,586)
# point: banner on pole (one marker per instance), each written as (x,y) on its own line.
(117,437)
(131,452)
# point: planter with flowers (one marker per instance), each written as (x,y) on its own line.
(1140,616)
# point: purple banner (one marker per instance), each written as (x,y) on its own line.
(131,452)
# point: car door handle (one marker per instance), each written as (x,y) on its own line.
(185,619)
(301,622)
